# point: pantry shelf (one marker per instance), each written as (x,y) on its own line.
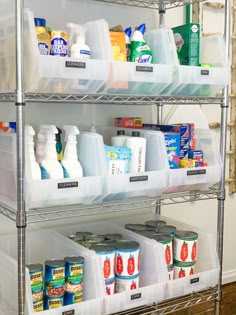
(111,99)
(172,306)
(65,212)
(150,4)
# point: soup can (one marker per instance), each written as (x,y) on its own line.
(38,306)
(155,224)
(168,229)
(113,237)
(137,227)
(166,241)
(51,302)
(185,246)
(122,284)
(110,286)
(107,254)
(36,281)
(54,278)
(182,270)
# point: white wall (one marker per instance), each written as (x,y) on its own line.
(202,214)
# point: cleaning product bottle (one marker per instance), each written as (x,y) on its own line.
(50,167)
(44,40)
(128,32)
(140,51)
(119,140)
(40,145)
(59,145)
(137,145)
(70,164)
(78,48)
(31,166)
(11,126)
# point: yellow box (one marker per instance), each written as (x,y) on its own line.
(118,45)
(187,163)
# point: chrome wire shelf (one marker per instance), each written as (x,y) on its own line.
(111,99)
(172,306)
(55,213)
(150,4)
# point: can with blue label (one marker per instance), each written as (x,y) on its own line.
(51,302)
(74,274)
(59,43)
(38,306)
(36,281)
(54,278)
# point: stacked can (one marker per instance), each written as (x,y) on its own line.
(54,288)
(185,253)
(74,276)
(155,224)
(107,254)
(127,266)
(36,282)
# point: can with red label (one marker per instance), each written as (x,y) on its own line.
(107,254)
(155,224)
(110,286)
(127,284)
(185,246)
(166,241)
(182,270)
(127,263)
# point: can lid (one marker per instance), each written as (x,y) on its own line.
(127,245)
(103,248)
(135,134)
(136,227)
(55,263)
(162,238)
(84,234)
(74,259)
(35,267)
(186,235)
(167,229)
(40,22)
(155,223)
(96,238)
(107,242)
(88,244)
(146,233)
(120,133)
(113,237)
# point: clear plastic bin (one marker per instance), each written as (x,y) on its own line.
(54,246)
(206,272)
(153,273)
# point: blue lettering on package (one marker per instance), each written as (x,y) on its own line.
(44,173)
(59,47)
(43,48)
(172,141)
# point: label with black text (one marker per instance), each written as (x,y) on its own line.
(205,72)
(138,179)
(67,185)
(194,280)
(144,69)
(136,296)
(71,312)
(196,172)
(76,64)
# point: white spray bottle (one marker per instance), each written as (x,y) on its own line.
(78,48)
(50,167)
(71,166)
(32,168)
(40,145)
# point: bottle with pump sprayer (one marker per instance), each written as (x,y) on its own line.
(70,164)
(137,145)
(50,167)
(31,166)
(78,48)
(40,145)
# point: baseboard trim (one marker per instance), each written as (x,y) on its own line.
(229,276)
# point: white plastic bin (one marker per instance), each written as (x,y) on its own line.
(206,272)
(41,246)
(153,273)
(199,178)
(43,193)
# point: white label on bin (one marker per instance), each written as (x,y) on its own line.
(194,280)
(71,312)
(138,179)
(205,72)
(144,69)
(136,296)
(76,64)
(68,185)
(196,172)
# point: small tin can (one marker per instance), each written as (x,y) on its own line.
(185,246)
(168,229)
(88,244)
(73,298)
(171,272)
(36,281)
(113,237)
(38,306)
(155,224)
(54,278)
(78,239)
(95,238)
(127,262)
(148,234)
(166,241)
(107,254)
(122,285)
(137,227)
(108,242)
(51,302)
(82,235)
(110,286)
(182,270)
(74,274)
(59,43)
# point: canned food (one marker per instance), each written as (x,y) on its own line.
(74,273)
(107,254)
(182,270)
(168,229)
(113,237)
(110,286)
(127,262)
(54,278)
(59,43)
(38,306)
(122,285)
(185,246)
(171,272)
(108,242)
(78,239)
(36,281)
(155,224)
(73,298)
(82,234)
(88,244)
(137,227)
(148,234)
(166,241)
(95,238)
(51,302)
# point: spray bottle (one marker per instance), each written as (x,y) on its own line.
(128,32)
(40,145)
(31,165)
(50,167)
(70,164)
(59,145)
(78,48)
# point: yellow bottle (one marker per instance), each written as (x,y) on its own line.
(44,40)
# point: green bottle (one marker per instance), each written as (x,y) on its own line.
(59,145)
